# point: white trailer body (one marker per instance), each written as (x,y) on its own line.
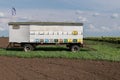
(19,33)
(46,32)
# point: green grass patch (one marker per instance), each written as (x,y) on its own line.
(94,51)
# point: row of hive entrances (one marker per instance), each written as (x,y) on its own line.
(58,40)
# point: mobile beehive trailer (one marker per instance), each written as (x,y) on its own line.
(31,34)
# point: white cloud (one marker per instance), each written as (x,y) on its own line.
(2,14)
(115,15)
(98,29)
(82,19)
(2,29)
(96,14)
(105,28)
(78,12)
(118,28)
(4,20)
(115,27)
(92,25)
(92,28)
(22,19)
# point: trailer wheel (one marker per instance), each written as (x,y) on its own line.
(28,47)
(75,48)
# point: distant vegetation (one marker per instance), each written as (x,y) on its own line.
(105,39)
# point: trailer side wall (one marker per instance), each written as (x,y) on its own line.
(19,33)
(62,34)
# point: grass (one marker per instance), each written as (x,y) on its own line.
(96,51)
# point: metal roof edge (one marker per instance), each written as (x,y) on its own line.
(46,23)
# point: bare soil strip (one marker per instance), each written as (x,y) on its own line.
(57,69)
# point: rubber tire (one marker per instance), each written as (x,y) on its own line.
(75,48)
(28,48)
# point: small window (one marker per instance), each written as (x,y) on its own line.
(16,27)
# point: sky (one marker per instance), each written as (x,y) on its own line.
(100,17)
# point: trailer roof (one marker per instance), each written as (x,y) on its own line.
(46,23)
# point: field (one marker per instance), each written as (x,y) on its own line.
(93,50)
(96,61)
(115,40)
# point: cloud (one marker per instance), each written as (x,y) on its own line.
(96,14)
(92,23)
(118,28)
(92,28)
(78,12)
(4,26)
(99,29)
(115,27)
(4,20)
(24,18)
(115,15)
(2,15)
(2,29)
(82,19)
(105,28)
(102,29)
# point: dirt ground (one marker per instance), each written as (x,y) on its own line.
(3,42)
(57,69)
